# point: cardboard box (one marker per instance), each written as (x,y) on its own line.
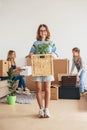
(26,71)
(42,64)
(54,92)
(3,68)
(60,66)
(31,84)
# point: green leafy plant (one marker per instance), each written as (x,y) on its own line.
(42,48)
(11,81)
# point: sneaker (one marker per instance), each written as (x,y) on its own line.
(26,91)
(81,94)
(18,90)
(47,113)
(41,113)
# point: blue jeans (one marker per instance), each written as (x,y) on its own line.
(82,84)
(21,81)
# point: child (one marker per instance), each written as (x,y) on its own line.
(43,36)
(78,63)
(11,58)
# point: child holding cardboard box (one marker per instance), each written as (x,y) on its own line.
(43,39)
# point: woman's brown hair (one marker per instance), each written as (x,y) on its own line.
(38,37)
(9,56)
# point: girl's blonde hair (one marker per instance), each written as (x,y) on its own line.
(9,56)
(38,37)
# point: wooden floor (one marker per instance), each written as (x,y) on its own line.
(65,115)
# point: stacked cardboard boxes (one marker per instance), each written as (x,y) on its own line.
(60,66)
(4,90)
(3,68)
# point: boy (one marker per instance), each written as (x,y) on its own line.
(78,63)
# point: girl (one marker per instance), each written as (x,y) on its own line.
(78,63)
(11,58)
(43,36)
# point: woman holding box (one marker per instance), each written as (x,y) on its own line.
(43,37)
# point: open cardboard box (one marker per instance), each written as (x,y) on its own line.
(60,66)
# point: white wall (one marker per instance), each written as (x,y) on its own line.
(19,19)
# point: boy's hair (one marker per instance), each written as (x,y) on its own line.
(76,49)
(38,37)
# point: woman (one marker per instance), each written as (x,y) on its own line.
(11,58)
(43,36)
(78,63)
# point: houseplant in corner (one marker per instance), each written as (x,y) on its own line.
(11,98)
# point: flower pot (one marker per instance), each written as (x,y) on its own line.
(11,99)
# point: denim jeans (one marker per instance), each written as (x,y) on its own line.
(82,84)
(21,81)
(43,78)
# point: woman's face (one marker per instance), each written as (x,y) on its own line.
(43,33)
(13,55)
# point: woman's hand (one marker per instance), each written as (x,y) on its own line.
(18,69)
(28,56)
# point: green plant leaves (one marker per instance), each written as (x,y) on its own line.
(11,80)
(42,48)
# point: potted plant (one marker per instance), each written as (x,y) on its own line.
(42,48)
(11,98)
